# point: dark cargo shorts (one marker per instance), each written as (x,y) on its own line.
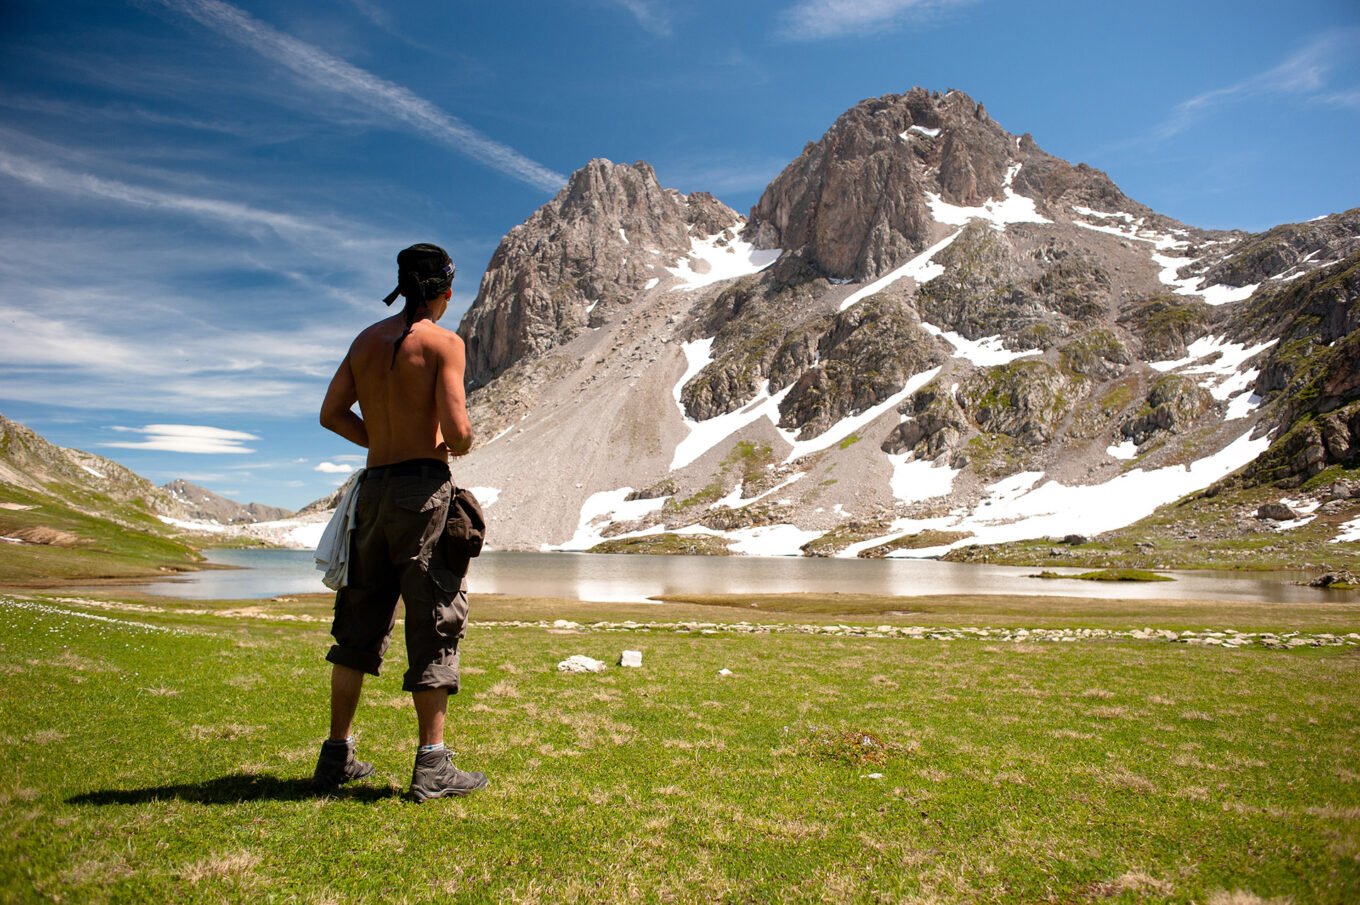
(398,549)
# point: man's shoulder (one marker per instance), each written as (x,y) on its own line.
(440,337)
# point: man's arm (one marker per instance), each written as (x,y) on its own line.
(336,409)
(450,399)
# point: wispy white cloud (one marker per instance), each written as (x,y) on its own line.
(333,468)
(1306,74)
(334,74)
(186,438)
(116,112)
(651,16)
(232,214)
(810,20)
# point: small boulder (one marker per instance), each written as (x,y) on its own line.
(1342,490)
(631,658)
(580,663)
(1276,512)
(725,672)
(1074,539)
(1327,579)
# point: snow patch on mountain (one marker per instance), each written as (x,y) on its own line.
(983,352)
(1170,265)
(1024,505)
(1349,534)
(716,258)
(1011,208)
(606,508)
(919,268)
(1126,450)
(914,480)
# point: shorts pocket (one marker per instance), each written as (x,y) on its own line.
(450,604)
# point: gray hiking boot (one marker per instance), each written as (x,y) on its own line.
(435,776)
(337,765)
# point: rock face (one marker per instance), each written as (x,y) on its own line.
(960,339)
(1174,403)
(594,246)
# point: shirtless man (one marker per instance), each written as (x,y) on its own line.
(406,373)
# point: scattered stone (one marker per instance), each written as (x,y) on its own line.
(631,658)
(565,624)
(725,672)
(580,663)
(872,776)
(1074,539)
(1276,512)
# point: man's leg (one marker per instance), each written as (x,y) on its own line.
(346,685)
(337,764)
(431,705)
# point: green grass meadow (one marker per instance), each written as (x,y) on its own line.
(160,754)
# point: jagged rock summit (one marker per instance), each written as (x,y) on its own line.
(861,200)
(928,333)
(594,247)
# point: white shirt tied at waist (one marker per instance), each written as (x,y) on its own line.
(332,553)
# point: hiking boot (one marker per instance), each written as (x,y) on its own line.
(337,765)
(435,776)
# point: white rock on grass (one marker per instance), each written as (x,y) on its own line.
(724,671)
(580,663)
(631,658)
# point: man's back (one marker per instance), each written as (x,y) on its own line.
(412,404)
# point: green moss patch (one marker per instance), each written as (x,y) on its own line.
(1110,575)
(666,544)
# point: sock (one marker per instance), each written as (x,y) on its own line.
(423,748)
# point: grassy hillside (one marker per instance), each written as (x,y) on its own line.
(86,535)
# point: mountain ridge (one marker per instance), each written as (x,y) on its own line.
(975,309)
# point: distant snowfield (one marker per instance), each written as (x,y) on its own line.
(297,533)
(1025,506)
(720,262)
(1220,367)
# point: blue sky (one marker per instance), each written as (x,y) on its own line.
(201,201)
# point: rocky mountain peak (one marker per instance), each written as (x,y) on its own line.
(610,230)
(861,199)
(201,504)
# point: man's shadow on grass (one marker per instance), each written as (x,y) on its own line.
(234,789)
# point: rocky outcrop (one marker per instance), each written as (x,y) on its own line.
(1172,405)
(857,199)
(761,332)
(867,355)
(933,424)
(1095,355)
(1026,400)
(1166,324)
(608,231)
(1287,250)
